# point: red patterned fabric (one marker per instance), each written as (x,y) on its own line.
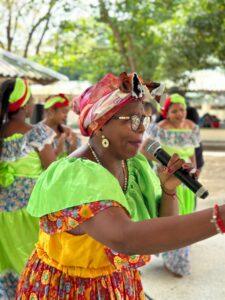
(41,281)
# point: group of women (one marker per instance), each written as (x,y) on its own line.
(102,210)
(25,151)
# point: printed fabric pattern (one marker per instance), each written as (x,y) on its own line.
(70,218)
(180,138)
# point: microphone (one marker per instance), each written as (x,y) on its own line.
(154,148)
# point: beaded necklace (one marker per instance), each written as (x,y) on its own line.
(123,166)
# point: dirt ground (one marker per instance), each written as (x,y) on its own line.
(207,280)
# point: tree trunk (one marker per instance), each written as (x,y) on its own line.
(8,29)
(46,17)
(30,35)
(125,54)
(130,46)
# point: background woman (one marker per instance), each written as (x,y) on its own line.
(99,207)
(24,152)
(178,135)
(56,111)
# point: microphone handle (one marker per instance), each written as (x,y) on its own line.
(183,175)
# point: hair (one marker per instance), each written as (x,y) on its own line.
(151,106)
(192,114)
(6,88)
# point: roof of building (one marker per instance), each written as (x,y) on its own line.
(207,81)
(70,88)
(12,66)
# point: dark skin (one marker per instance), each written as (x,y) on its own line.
(113,227)
(17,124)
(54,118)
(176,118)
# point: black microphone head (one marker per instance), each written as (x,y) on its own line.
(202,193)
(152,146)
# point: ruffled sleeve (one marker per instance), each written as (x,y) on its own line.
(72,182)
(39,136)
(152,131)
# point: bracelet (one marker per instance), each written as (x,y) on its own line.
(217,220)
(169,194)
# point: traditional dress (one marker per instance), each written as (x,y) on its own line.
(183,142)
(20,167)
(67,266)
(60,101)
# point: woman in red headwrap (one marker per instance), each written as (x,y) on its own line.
(56,111)
(25,152)
(99,207)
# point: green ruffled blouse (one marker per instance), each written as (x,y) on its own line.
(70,182)
(20,165)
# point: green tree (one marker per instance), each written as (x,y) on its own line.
(159,39)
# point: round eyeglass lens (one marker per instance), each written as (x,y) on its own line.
(135,122)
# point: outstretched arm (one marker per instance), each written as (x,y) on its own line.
(113,228)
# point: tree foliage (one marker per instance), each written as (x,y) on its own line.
(160,39)
(25,23)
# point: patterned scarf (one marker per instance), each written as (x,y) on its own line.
(97,104)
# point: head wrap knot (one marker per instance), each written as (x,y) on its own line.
(97,104)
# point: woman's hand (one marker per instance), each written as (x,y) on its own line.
(168,181)
(61,143)
(72,139)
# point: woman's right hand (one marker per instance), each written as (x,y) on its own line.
(61,142)
(166,174)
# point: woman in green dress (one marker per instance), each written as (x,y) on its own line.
(177,134)
(25,151)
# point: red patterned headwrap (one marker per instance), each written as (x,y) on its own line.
(101,101)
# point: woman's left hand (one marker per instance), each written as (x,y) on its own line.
(166,174)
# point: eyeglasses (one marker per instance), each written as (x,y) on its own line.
(135,120)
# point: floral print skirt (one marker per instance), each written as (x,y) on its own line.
(178,261)
(41,281)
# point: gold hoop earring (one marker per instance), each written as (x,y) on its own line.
(105,142)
